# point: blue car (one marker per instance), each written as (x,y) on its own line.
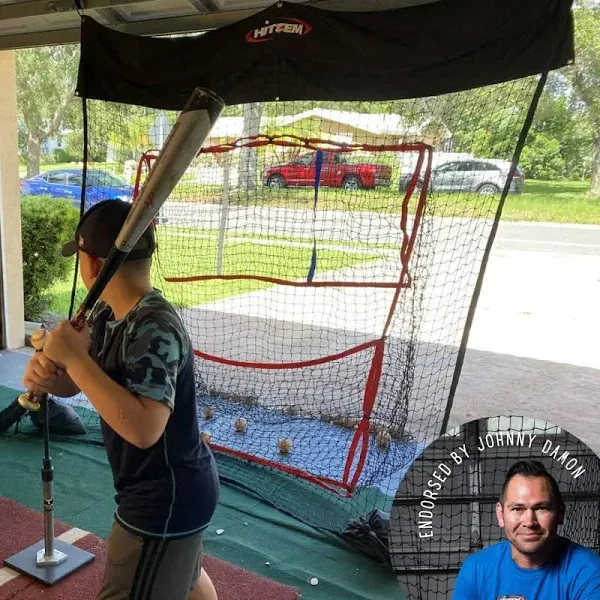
(66,183)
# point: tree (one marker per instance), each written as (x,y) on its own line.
(542,158)
(248,156)
(560,141)
(586,76)
(45,93)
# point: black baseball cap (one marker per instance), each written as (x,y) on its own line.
(99,228)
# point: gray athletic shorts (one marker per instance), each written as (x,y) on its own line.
(140,568)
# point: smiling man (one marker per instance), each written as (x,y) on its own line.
(533,562)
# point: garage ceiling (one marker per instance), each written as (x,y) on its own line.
(27,23)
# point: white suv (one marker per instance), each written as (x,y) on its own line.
(483,176)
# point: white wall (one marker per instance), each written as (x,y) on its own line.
(10,207)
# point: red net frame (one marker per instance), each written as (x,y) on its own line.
(346,485)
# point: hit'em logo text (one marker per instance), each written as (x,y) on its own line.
(270,30)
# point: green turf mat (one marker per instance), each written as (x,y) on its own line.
(311,501)
(254,532)
(294,496)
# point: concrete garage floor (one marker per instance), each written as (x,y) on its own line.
(12,365)
(494,384)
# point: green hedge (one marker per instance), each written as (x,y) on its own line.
(46,224)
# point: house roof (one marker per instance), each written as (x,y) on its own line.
(377,124)
(228,127)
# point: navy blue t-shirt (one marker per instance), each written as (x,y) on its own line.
(170,489)
(492,574)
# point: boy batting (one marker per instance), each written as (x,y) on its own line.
(135,364)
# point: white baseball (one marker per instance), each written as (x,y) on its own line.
(383,439)
(241,425)
(285,445)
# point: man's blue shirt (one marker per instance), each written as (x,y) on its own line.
(492,574)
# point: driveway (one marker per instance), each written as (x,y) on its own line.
(533,348)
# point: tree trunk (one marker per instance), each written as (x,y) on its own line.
(595,185)
(248,156)
(33,156)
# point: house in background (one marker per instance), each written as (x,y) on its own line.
(56,142)
(345,127)
(375,129)
(341,126)
(363,128)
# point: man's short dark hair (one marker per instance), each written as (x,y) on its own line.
(532,468)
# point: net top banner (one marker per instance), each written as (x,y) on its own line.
(296,52)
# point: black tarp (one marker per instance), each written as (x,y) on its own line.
(296,52)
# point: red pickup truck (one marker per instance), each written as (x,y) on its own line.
(336,171)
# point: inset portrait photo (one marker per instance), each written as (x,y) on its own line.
(503,508)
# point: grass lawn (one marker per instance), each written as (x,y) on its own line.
(44,168)
(190,256)
(263,238)
(56,166)
(553,202)
(541,201)
(195,254)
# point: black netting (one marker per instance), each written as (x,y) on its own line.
(288,281)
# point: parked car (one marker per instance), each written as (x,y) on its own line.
(66,183)
(483,176)
(336,172)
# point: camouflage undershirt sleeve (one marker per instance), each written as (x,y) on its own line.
(153,355)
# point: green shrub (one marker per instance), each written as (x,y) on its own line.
(542,158)
(46,224)
(62,155)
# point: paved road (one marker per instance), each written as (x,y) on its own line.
(541,294)
(558,239)
(570,239)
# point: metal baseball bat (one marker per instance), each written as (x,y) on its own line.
(189,132)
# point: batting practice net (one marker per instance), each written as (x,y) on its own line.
(445,509)
(326,246)
(323,266)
